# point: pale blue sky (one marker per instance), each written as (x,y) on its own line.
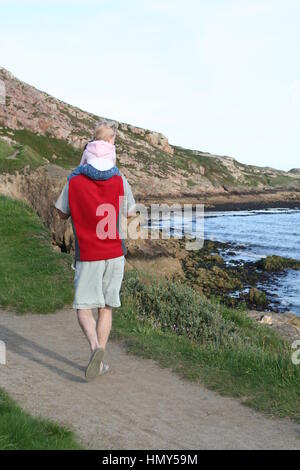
(221,76)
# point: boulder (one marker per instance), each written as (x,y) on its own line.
(257,297)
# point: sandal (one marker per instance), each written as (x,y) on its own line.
(93,367)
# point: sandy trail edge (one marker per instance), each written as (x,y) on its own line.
(136,406)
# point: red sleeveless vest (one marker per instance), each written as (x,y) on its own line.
(95,207)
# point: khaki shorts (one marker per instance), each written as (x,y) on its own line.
(98,283)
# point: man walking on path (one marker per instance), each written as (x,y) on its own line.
(96,196)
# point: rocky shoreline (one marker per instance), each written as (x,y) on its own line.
(208,272)
(234,282)
(254,205)
(234,200)
(212,272)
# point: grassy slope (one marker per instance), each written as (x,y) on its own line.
(35,150)
(20,431)
(32,276)
(16,157)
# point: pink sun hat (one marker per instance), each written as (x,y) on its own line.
(101,150)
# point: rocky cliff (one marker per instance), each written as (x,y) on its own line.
(36,130)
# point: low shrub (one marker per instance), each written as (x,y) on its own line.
(177,307)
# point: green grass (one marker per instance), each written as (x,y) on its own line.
(5,150)
(252,362)
(33,277)
(35,149)
(20,431)
(47,146)
(22,156)
(281,180)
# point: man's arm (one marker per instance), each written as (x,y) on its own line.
(128,206)
(62,203)
(62,215)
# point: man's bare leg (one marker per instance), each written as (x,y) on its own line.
(103,328)
(88,325)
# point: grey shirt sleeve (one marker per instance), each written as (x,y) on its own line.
(62,202)
(128,206)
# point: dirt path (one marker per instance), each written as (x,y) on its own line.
(136,406)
